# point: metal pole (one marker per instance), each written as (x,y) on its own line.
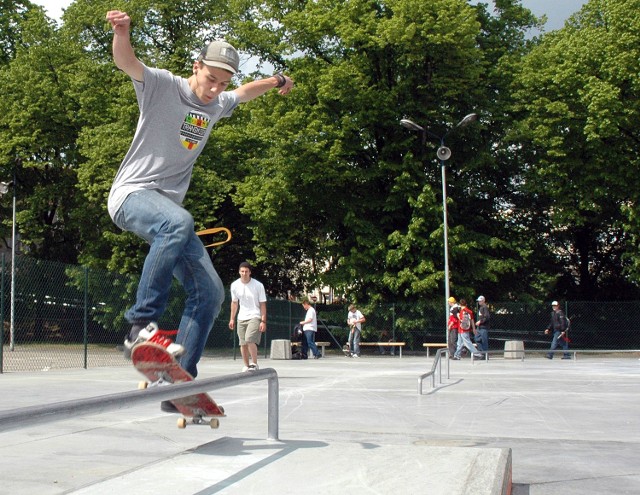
(85,337)
(12,324)
(273,406)
(393,321)
(444,154)
(446,248)
(2,314)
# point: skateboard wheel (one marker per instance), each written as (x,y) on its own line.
(182,423)
(214,423)
(142,385)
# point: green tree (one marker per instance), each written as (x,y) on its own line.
(12,14)
(39,131)
(344,195)
(324,187)
(576,99)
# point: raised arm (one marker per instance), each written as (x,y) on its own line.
(123,54)
(253,89)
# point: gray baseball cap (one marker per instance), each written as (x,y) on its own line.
(220,54)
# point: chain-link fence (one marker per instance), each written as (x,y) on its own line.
(67,316)
(593,325)
(64,316)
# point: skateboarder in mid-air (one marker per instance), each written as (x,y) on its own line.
(176,118)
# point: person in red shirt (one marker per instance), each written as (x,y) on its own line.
(453,325)
(466,326)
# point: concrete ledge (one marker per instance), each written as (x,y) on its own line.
(488,473)
(384,469)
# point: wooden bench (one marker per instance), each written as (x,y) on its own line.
(428,345)
(399,345)
(319,344)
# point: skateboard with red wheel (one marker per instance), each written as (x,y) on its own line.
(161,368)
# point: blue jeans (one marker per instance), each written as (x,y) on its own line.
(354,341)
(309,342)
(556,342)
(176,251)
(464,340)
(482,339)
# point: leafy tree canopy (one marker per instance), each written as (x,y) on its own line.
(324,187)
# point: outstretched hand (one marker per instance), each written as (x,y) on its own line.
(288,86)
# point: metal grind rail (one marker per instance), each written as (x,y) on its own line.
(27,416)
(436,366)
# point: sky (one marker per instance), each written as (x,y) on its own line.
(556,10)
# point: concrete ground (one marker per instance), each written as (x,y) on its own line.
(346,426)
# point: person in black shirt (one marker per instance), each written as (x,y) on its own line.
(482,325)
(559,325)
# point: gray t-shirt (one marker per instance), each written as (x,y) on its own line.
(173,127)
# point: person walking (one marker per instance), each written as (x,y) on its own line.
(467,325)
(355,319)
(309,327)
(482,325)
(559,325)
(452,326)
(176,118)
(249,302)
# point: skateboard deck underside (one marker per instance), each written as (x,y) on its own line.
(159,367)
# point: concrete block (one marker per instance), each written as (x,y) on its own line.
(514,349)
(281,349)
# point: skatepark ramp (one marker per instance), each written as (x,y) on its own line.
(26,416)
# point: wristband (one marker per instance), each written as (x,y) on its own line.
(281,79)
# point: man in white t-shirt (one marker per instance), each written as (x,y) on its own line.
(249,302)
(355,319)
(309,327)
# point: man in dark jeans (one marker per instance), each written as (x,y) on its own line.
(310,328)
(558,325)
(482,325)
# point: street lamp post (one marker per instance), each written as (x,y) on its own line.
(443,155)
(4,188)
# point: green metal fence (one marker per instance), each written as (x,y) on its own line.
(65,316)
